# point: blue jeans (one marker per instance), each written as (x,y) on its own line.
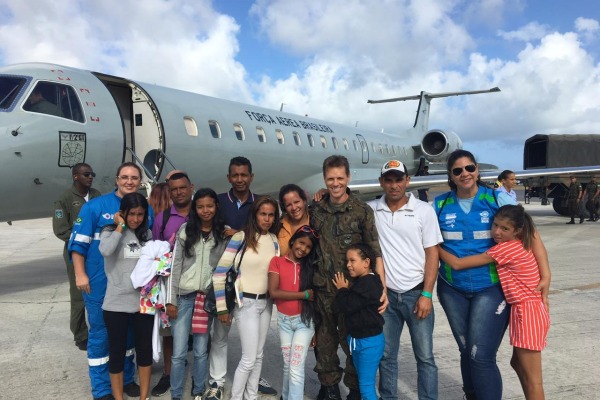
(366,354)
(180,328)
(478,321)
(295,337)
(398,312)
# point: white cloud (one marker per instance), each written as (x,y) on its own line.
(530,32)
(587,27)
(183,43)
(350,51)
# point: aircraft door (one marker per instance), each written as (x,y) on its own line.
(364,148)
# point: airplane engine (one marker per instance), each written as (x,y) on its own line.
(437,145)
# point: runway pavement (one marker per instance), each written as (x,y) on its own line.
(39,359)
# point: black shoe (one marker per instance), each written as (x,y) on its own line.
(581,220)
(82,345)
(329,393)
(353,395)
(265,388)
(570,222)
(590,219)
(162,387)
(132,389)
(105,397)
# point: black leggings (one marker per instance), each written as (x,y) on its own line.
(117,328)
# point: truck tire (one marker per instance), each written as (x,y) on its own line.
(560,206)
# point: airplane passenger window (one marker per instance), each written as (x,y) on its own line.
(262,137)
(387,149)
(335,143)
(323,142)
(346,146)
(355,145)
(311,140)
(297,138)
(215,129)
(239,132)
(10,87)
(280,137)
(373,147)
(380,148)
(55,99)
(190,126)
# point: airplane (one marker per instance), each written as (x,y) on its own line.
(105,120)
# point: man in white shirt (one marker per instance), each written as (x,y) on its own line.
(409,235)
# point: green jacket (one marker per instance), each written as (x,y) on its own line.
(66,209)
(340,226)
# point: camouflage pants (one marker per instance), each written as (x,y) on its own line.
(331,333)
(573,206)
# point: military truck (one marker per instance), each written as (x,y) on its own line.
(559,151)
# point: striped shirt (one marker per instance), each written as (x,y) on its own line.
(518,271)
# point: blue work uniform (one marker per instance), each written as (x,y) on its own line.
(465,235)
(85,239)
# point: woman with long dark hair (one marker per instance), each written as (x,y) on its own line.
(294,202)
(290,284)
(120,244)
(250,251)
(200,244)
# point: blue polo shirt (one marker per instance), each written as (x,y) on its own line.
(233,211)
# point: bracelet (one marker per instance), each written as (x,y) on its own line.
(426,294)
(306,295)
(123,226)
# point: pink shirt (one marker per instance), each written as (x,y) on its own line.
(289,280)
(518,271)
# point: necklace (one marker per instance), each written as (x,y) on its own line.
(205,236)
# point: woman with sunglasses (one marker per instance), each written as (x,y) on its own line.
(294,202)
(472,299)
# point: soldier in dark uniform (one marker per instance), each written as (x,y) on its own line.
(66,209)
(592,190)
(573,198)
(341,220)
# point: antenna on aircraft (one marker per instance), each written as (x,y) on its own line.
(433,95)
(281,108)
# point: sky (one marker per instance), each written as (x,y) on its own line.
(326,58)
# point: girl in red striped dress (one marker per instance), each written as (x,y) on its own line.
(513,231)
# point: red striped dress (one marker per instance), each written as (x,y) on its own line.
(519,276)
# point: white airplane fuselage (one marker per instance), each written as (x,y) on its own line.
(199,134)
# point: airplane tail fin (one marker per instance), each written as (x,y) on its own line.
(422,117)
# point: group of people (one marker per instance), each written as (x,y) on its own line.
(342,273)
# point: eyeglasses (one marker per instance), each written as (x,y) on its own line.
(88,174)
(308,229)
(128,178)
(459,170)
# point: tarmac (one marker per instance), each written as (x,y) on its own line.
(40,361)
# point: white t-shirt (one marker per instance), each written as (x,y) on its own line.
(404,235)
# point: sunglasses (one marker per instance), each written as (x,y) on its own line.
(459,170)
(88,174)
(308,229)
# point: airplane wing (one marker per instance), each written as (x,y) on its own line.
(417,182)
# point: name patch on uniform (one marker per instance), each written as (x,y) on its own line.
(485,217)
(58,213)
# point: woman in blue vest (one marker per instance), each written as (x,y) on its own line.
(472,298)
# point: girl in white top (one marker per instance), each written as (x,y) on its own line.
(257,245)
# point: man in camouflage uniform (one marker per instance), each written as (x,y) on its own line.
(592,190)
(573,199)
(341,219)
(66,209)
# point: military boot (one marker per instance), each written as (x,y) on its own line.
(329,393)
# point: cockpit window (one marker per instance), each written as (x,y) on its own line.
(54,99)
(10,88)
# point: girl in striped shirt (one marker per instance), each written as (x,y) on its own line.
(513,231)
